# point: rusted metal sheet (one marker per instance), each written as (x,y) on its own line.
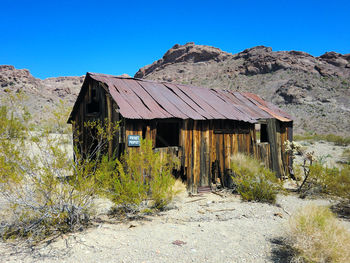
(243,112)
(202,115)
(152,89)
(128,95)
(178,102)
(276,112)
(255,111)
(144,99)
(193,94)
(216,102)
(150,103)
(125,108)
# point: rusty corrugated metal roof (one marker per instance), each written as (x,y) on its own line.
(145,99)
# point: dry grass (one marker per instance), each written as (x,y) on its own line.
(247,162)
(346,155)
(179,187)
(318,236)
(336,139)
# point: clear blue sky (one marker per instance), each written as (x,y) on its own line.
(62,38)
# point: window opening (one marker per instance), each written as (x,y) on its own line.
(167,134)
(94,105)
(261,132)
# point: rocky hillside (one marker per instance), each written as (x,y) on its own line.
(315,90)
(40,95)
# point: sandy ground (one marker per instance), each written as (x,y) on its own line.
(207,228)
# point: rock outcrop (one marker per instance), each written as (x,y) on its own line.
(186,53)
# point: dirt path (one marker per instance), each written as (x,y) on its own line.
(212,229)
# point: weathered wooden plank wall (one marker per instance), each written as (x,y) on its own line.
(208,149)
(82,139)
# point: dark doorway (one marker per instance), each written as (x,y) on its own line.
(167,134)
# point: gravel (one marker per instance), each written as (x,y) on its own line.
(207,228)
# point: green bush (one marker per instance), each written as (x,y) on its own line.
(253,181)
(128,189)
(142,173)
(332,181)
(162,182)
(317,236)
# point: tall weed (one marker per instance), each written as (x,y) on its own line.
(318,236)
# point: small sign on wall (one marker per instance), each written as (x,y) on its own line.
(134,140)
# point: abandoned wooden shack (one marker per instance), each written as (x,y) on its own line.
(202,127)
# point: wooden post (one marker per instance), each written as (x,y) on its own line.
(275,147)
(109,127)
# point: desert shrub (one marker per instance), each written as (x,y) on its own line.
(128,189)
(253,181)
(317,177)
(318,236)
(162,182)
(46,189)
(142,173)
(332,181)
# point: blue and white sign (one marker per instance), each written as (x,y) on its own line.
(134,140)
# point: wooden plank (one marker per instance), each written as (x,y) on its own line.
(196,154)
(128,131)
(263,153)
(212,153)
(207,152)
(222,155)
(190,155)
(115,119)
(204,150)
(272,136)
(148,132)
(227,149)
(279,131)
(227,154)
(109,126)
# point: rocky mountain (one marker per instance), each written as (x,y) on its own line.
(315,90)
(39,95)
